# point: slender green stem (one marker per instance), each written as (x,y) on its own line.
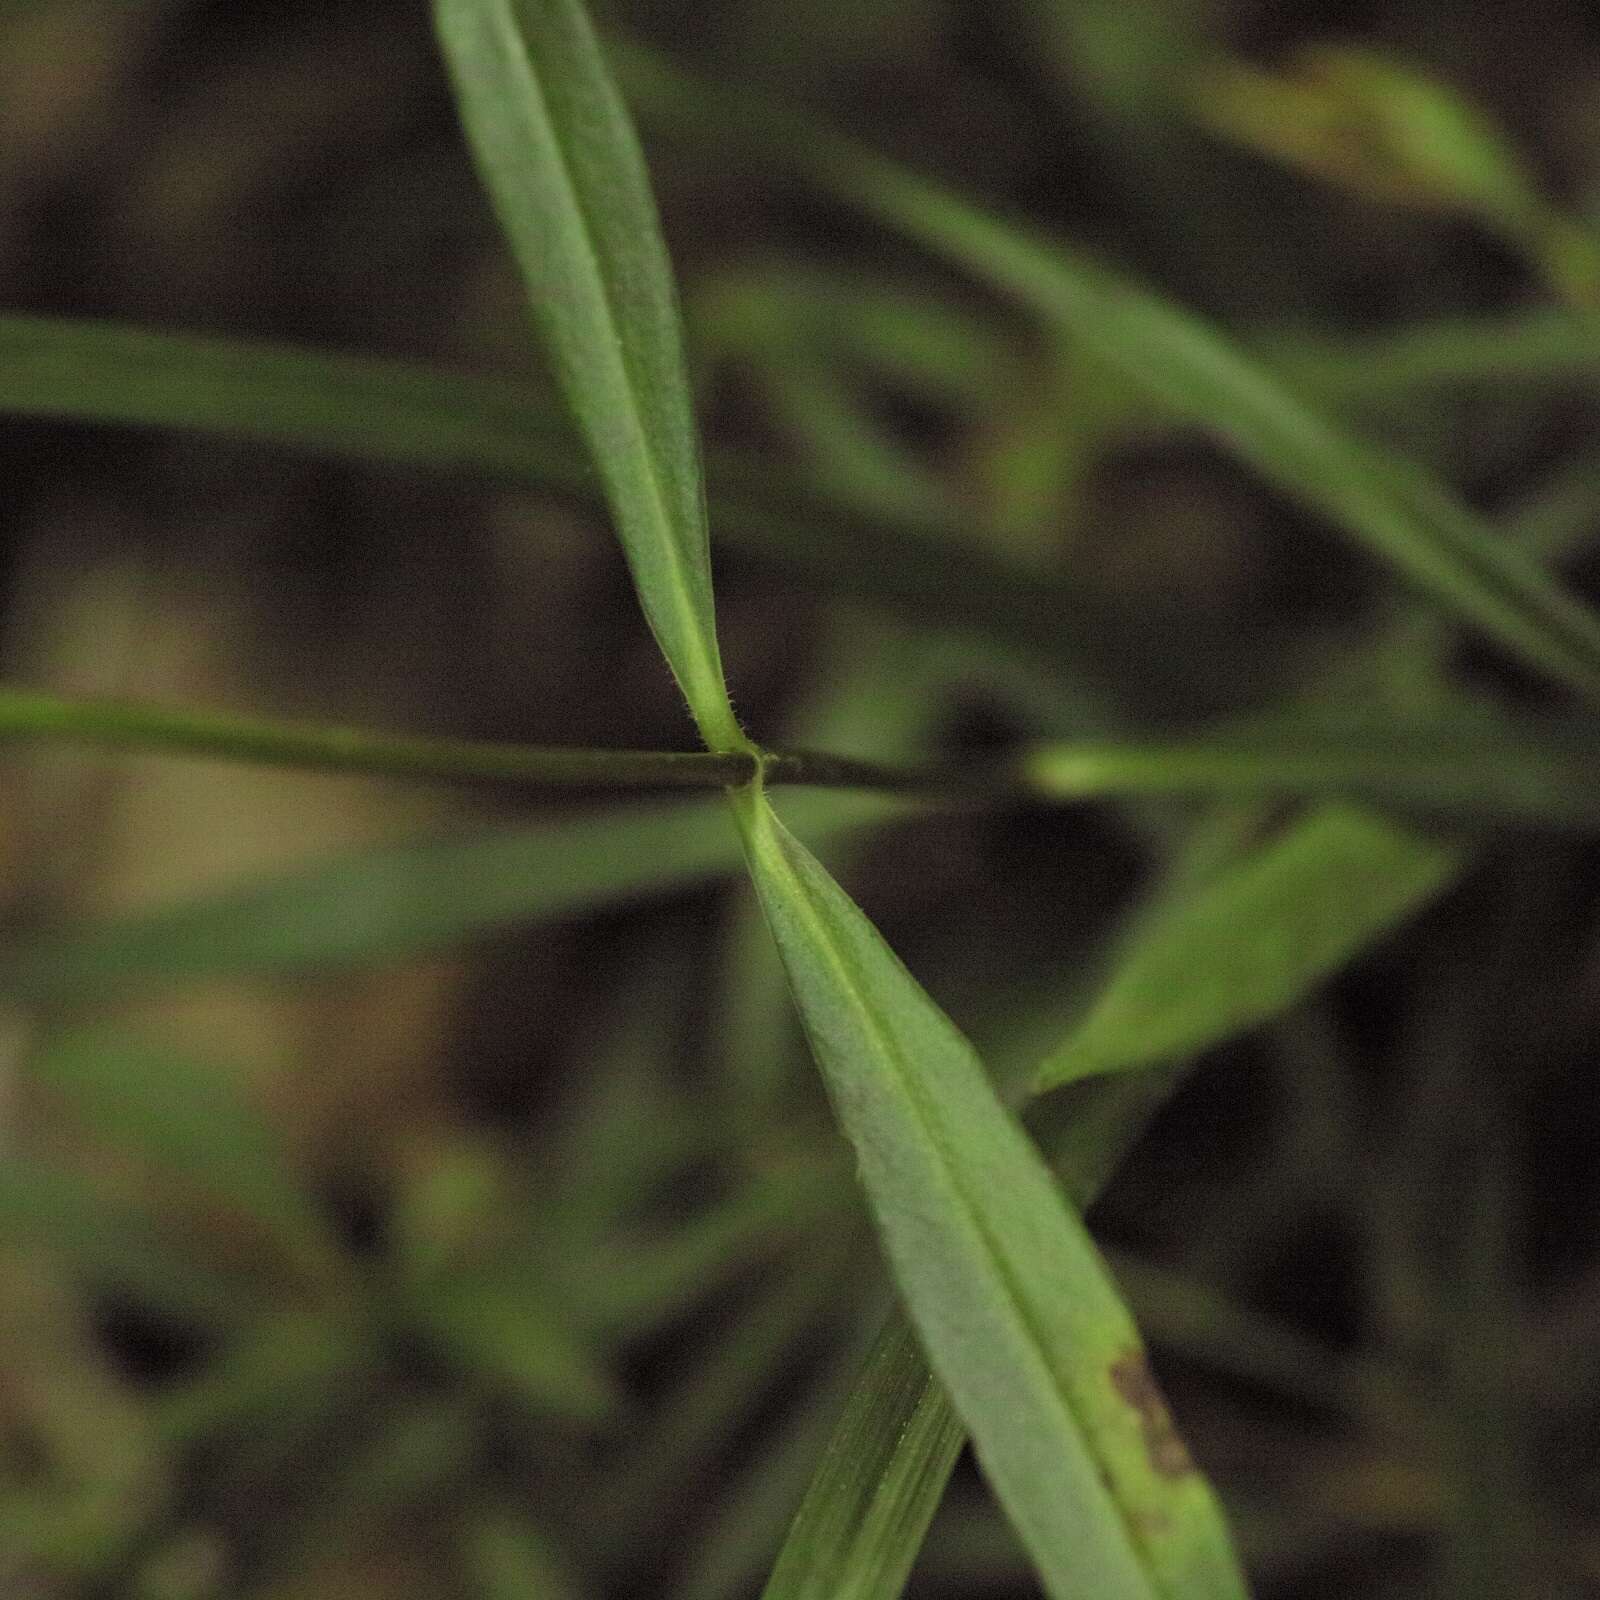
(30,715)
(1540,776)
(27,715)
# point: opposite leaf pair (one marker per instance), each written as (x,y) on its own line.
(1007,1292)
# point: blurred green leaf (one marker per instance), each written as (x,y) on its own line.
(770,1339)
(1251,939)
(506,1558)
(117,1246)
(397,901)
(363,407)
(1019,1317)
(154,1103)
(1377,371)
(1461,763)
(503,1330)
(558,154)
(1411,522)
(1375,125)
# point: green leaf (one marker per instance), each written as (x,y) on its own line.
(858,1530)
(1540,344)
(365,408)
(385,904)
(155,1102)
(1011,1301)
(502,1330)
(1411,522)
(116,1245)
(862,1521)
(1463,763)
(558,154)
(1252,939)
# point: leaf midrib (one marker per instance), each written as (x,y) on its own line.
(822,942)
(682,600)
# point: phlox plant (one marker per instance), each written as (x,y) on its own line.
(1320,832)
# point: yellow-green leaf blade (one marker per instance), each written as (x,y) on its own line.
(557,151)
(1244,945)
(1008,1294)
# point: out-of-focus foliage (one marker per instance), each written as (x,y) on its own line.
(333,1265)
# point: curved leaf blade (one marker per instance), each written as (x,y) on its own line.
(1008,1294)
(558,154)
(1394,509)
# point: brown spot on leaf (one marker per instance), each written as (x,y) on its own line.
(1132,1378)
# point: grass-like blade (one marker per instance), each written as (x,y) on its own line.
(1457,765)
(114,1244)
(1190,367)
(364,408)
(1010,1299)
(859,1528)
(1544,344)
(1392,508)
(1247,942)
(157,1104)
(557,151)
(385,904)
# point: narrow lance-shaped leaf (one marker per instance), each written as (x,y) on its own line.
(1462,763)
(874,1493)
(1246,944)
(558,154)
(384,904)
(881,1477)
(1394,509)
(1011,1301)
